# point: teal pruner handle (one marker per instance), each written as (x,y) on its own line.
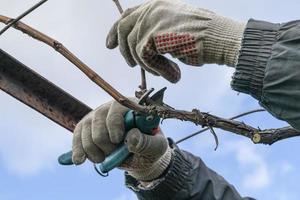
(145,123)
(115,159)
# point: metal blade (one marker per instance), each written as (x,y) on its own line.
(40,94)
(158,97)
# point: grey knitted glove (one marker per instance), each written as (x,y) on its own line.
(193,35)
(99,133)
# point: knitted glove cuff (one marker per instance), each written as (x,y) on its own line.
(223,40)
(155,170)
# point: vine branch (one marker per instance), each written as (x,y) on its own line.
(268,136)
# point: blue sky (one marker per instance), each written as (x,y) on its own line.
(30,143)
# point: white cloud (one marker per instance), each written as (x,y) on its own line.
(31,153)
(258,177)
(29,142)
(242,156)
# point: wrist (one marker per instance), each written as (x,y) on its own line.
(147,175)
(223,41)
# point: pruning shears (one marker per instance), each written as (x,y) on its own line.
(146,123)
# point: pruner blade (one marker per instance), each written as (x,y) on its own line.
(158,97)
(155,99)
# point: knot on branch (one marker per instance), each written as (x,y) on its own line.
(57,45)
(164,112)
(198,117)
(203,118)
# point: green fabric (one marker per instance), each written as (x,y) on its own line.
(281,91)
(269,68)
(187,178)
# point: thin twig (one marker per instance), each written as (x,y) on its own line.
(10,24)
(143,85)
(268,136)
(215,137)
(119,6)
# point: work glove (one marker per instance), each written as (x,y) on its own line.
(99,133)
(195,36)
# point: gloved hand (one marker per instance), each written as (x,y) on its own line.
(99,133)
(193,35)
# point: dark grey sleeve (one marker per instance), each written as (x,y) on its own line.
(269,68)
(187,178)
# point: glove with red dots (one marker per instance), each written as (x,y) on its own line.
(193,35)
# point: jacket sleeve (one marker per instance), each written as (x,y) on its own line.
(269,68)
(187,178)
